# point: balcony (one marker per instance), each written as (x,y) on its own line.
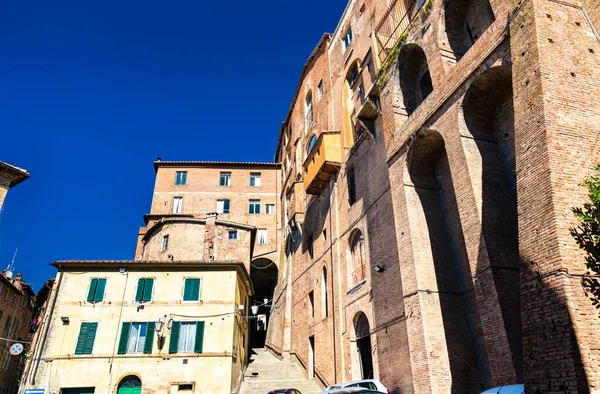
(393,25)
(366,96)
(322,162)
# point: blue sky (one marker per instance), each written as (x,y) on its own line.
(91,93)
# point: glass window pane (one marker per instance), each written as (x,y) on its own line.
(187,337)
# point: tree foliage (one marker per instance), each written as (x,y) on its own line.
(587,235)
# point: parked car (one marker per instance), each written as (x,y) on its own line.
(369,384)
(285,391)
(512,389)
(354,390)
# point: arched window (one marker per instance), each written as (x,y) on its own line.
(357,247)
(130,384)
(311,144)
(324,290)
(415,79)
(308,110)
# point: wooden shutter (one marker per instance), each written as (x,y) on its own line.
(147,295)
(149,337)
(139,294)
(87,335)
(174,342)
(92,291)
(199,337)
(99,296)
(191,290)
(124,337)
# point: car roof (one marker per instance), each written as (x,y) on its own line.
(354,390)
(510,389)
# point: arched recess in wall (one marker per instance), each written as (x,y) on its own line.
(362,332)
(309,111)
(130,384)
(359,260)
(350,83)
(415,79)
(439,247)
(464,22)
(488,119)
(263,274)
(324,293)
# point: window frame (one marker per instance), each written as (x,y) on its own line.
(177,208)
(254,176)
(347,38)
(137,342)
(225,178)
(266,236)
(164,244)
(180,178)
(254,206)
(185,281)
(320,89)
(270,211)
(225,209)
(232,232)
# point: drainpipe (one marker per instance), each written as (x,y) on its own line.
(112,359)
(47,322)
(331,206)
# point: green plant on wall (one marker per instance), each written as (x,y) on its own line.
(587,235)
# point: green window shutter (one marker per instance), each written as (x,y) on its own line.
(91,337)
(149,337)
(83,329)
(140,289)
(191,290)
(174,341)
(199,337)
(149,283)
(124,337)
(99,296)
(92,291)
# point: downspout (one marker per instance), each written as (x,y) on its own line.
(47,322)
(332,276)
(117,331)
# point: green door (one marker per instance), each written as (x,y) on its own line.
(130,385)
(77,390)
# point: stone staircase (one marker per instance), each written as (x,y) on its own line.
(266,373)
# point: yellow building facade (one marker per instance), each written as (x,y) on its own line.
(128,327)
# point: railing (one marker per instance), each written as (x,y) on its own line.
(393,25)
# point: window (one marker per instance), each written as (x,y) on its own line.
(325,298)
(312,143)
(232,234)
(7,324)
(177,204)
(311,305)
(358,257)
(320,89)
(347,38)
(222,206)
(191,289)
(180,178)
(308,111)
(137,337)
(225,179)
(351,187)
(352,73)
(270,209)
(254,207)
(144,290)
(310,246)
(165,243)
(96,291)
(262,236)
(87,335)
(185,387)
(186,337)
(255,179)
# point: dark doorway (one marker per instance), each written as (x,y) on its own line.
(311,357)
(263,273)
(363,345)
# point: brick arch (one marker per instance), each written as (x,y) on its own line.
(443,265)
(487,117)
(414,75)
(463,22)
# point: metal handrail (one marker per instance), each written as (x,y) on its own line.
(393,24)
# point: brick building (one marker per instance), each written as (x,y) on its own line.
(430,158)
(16,310)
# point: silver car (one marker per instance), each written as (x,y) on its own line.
(370,384)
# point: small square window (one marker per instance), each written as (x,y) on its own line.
(254,207)
(222,206)
(177,202)
(180,178)
(232,234)
(270,209)
(262,236)
(255,179)
(185,387)
(165,243)
(225,179)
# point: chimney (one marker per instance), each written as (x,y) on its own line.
(209,237)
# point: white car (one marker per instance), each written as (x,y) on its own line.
(512,389)
(371,384)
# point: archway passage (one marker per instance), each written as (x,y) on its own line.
(263,273)
(465,22)
(130,385)
(489,118)
(363,345)
(415,79)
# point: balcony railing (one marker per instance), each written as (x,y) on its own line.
(323,160)
(393,24)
